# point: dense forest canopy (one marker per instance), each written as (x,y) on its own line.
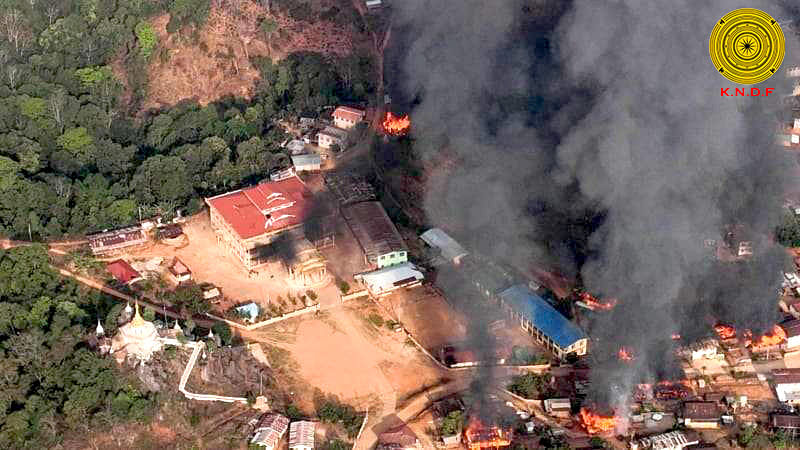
(49,380)
(76,154)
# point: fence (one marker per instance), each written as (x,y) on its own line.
(254,326)
(353,295)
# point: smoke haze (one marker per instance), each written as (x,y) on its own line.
(591,136)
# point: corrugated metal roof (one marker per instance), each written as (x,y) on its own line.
(436,237)
(373,229)
(305,160)
(543,316)
(384,279)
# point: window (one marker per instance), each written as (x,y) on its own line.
(402,254)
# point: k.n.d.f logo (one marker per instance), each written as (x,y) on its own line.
(747,46)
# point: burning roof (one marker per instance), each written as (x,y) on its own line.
(595,423)
(478,436)
(396,125)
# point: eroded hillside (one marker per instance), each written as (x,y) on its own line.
(214,62)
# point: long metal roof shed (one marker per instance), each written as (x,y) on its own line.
(543,316)
(437,238)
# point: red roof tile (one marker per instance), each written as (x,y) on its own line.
(352,114)
(122,271)
(287,202)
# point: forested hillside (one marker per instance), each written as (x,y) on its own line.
(49,380)
(77,155)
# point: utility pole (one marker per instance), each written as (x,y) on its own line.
(30,236)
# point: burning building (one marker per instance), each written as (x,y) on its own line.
(479,436)
(595,423)
(396,125)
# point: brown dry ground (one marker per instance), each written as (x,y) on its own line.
(212,63)
(339,352)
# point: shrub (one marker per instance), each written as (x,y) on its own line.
(344,287)
(375,319)
(311,295)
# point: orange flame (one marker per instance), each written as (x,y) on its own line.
(595,423)
(395,125)
(725,331)
(624,354)
(593,303)
(479,436)
(676,336)
(774,337)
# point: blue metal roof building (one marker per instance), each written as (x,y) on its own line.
(549,326)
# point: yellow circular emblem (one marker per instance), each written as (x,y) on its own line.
(747,46)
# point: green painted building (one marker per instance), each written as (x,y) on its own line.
(379,239)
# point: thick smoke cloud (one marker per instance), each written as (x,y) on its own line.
(594,138)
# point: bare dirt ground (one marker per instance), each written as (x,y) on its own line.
(427,316)
(210,263)
(341,353)
(217,63)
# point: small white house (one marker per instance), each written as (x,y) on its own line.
(792,330)
(449,248)
(331,136)
(383,281)
(307,163)
(558,407)
(787,385)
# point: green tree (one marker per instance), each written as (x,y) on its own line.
(147,38)
(162,179)
(788,233)
(78,142)
(452,423)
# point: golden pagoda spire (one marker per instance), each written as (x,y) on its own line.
(137,320)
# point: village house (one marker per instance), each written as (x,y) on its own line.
(543,322)
(705,349)
(210,292)
(792,330)
(376,234)
(248,221)
(179,272)
(374,5)
(558,407)
(701,415)
(123,272)
(296,147)
(171,231)
(346,118)
(448,247)
(789,424)
(399,438)
(674,440)
(301,435)
(790,305)
(330,136)
(117,240)
(307,163)
(269,431)
(787,385)
(384,281)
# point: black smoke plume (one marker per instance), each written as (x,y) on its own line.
(591,136)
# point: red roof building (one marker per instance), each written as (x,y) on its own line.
(248,220)
(345,117)
(123,272)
